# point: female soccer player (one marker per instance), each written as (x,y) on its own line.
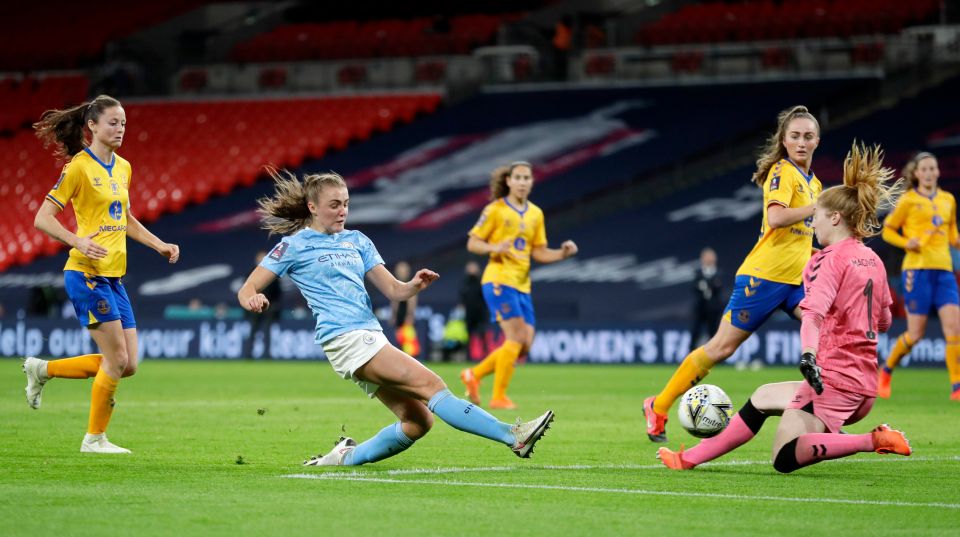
(847,302)
(924,224)
(511,230)
(328,264)
(97,181)
(769,277)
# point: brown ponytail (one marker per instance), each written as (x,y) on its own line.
(67,129)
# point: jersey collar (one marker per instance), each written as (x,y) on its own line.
(805,176)
(526,206)
(109,167)
(931,196)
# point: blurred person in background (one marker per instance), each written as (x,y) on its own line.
(924,224)
(475,310)
(708,304)
(403,315)
(511,230)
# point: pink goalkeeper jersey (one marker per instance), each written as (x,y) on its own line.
(848,298)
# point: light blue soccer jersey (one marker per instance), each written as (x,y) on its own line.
(329,271)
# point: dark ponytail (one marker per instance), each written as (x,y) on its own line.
(67,129)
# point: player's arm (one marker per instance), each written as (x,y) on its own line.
(779,216)
(952,228)
(46,221)
(542,254)
(139,233)
(250,295)
(394,289)
(891,230)
(821,286)
(476,245)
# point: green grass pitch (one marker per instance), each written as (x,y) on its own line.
(215,444)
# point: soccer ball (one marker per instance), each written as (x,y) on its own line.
(705,410)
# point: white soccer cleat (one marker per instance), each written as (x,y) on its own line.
(98,443)
(36,371)
(527,434)
(335,457)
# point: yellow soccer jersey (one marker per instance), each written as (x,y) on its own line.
(930,220)
(101,202)
(780,254)
(524,227)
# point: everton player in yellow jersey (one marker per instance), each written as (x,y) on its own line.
(96,180)
(511,230)
(770,277)
(924,223)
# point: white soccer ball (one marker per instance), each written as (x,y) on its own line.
(705,410)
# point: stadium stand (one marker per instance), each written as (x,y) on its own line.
(716,22)
(59,47)
(377,38)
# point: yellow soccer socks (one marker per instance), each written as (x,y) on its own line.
(101,402)
(507,356)
(78,367)
(692,370)
(900,349)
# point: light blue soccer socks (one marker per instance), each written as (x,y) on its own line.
(470,418)
(387,443)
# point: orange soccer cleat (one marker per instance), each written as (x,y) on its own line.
(674,460)
(656,423)
(472,385)
(504,403)
(955,395)
(887,440)
(883,384)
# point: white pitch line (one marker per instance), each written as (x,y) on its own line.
(643,492)
(485,469)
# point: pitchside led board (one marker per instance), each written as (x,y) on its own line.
(777,343)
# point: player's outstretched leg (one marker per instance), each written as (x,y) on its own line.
(470,418)
(811,448)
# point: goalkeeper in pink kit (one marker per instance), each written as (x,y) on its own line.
(847,302)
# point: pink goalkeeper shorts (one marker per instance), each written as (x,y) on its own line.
(834,407)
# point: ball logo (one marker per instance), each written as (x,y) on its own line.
(368,338)
(116,210)
(103,307)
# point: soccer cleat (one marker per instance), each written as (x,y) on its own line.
(955,395)
(887,440)
(98,443)
(656,423)
(504,403)
(335,458)
(883,384)
(35,380)
(472,385)
(674,460)
(527,434)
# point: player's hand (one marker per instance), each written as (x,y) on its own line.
(913,245)
(811,372)
(87,247)
(423,278)
(569,249)
(170,251)
(258,303)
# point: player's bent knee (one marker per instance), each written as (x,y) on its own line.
(131,368)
